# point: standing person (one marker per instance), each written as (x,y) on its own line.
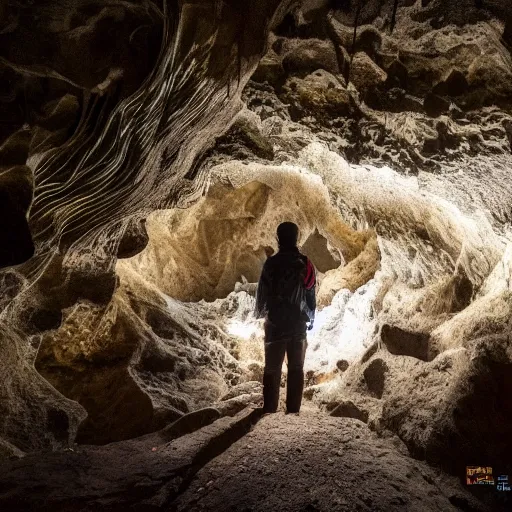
(286,299)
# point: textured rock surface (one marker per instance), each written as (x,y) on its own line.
(89,147)
(215,469)
(33,414)
(388,143)
(281,458)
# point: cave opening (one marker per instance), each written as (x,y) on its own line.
(190,296)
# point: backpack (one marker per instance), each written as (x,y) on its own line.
(287,290)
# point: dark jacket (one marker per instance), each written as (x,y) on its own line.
(286,311)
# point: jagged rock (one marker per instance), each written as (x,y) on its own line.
(369,41)
(445,140)
(370,352)
(396,75)
(507,124)
(270,70)
(33,415)
(315,377)
(393,100)
(135,365)
(95,371)
(238,403)
(319,94)
(445,406)
(316,248)
(353,275)
(368,37)
(254,372)
(365,74)
(490,72)
(246,131)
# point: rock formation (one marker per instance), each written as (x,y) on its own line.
(149,149)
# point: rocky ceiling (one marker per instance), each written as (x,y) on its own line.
(148,149)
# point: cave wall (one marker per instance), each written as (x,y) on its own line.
(398,145)
(409,130)
(201,252)
(107,107)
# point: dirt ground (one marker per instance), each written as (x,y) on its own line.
(313,462)
(249,462)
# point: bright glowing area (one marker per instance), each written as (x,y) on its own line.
(342,330)
(243,330)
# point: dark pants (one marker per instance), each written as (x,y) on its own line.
(295,349)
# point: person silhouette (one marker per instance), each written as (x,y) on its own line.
(285,297)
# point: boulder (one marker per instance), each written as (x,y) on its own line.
(319,94)
(238,403)
(365,74)
(245,388)
(455,84)
(317,250)
(396,75)
(456,408)
(270,70)
(369,41)
(310,55)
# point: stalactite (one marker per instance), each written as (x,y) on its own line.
(393,16)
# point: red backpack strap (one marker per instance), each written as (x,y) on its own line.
(310,278)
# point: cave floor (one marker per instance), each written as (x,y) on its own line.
(310,462)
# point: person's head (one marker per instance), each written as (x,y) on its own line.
(287,235)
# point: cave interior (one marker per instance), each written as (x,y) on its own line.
(148,151)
